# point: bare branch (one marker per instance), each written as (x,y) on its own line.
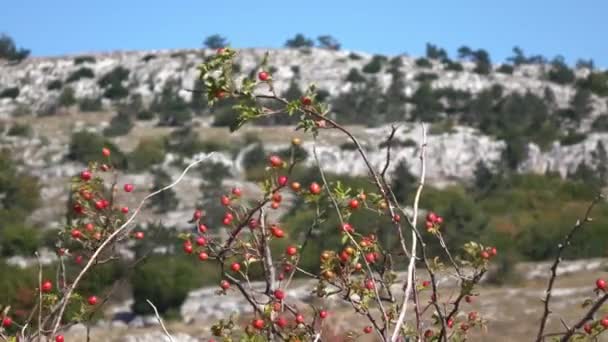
(160,321)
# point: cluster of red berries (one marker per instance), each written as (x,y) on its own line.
(488,253)
(433,221)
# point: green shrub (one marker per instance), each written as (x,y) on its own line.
(67,97)
(17,290)
(54,85)
(9,93)
(114,77)
(573,138)
(80,74)
(423,63)
(354,76)
(85,147)
(505,69)
(9,51)
(145,115)
(600,124)
(355,57)
(17,239)
(597,82)
(148,57)
(453,66)
(84,59)
(148,152)
(20,130)
(560,72)
(89,104)
(426,77)
(166,281)
(116,92)
(375,65)
(120,124)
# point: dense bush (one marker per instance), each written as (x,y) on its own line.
(299,41)
(21,130)
(215,41)
(167,200)
(80,74)
(9,93)
(115,76)
(453,66)
(354,76)
(505,69)
(67,97)
(120,124)
(84,59)
(90,104)
(54,85)
(597,82)
(375,65)
(172,109)
(149,152)
(167,280)
(85,147)
(423,63)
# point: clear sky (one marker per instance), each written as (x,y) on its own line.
(572,28)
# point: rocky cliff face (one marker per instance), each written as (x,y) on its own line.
(452,156)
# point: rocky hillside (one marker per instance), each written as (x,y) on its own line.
(50,98)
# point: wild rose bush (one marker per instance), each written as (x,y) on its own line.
(361,273)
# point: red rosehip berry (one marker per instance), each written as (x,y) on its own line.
(203,256)
(100,205)
(235,267)
(358,267)
(201,241)
(128,187)
(258,324)
(253,224)
(92,300)
(468,299)
(85,175)
(305,100)
(104,167)
(439,220)
(353,204)
(59,338)
(347,228)
(369,284)
(396,218)
(604,322)
(275,161)
(124,210)
(281,276)
(225,285)
(493,251)
(275,205)
(323,314)
(237,192)
(46,286)
(78,209)
(61,251)
(588,328)
(287,268)
(202,228)
(106,152)
(464,327)
(276,197)
(450,323)
(600,284)
(279,294)
(370,258)
(282,180)
(76,234)
(89,227)
(281,322)
(263,76)
(277,232)
(226,221)
(225,200)
(472,316)
(431,217)
(485,255)
(299,319)
(426,283)
(291,250)
(139,235)
(368,330)
(276,306)
(197,215)
(188,247)
(314,188)
(220,94)
(7,322)
(78,259)
(428,333)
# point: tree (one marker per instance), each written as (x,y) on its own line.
(518,57)
(215,41)
(328,42)
(483,64)
(560,72)
(585,64)
(9,51)
(403,182)
(120,124)
(464,52)
(428,106)
(167,200)
(299,41)
(435,52)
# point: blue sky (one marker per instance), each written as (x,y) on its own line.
(574,29)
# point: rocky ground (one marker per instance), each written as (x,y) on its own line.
(512,312)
